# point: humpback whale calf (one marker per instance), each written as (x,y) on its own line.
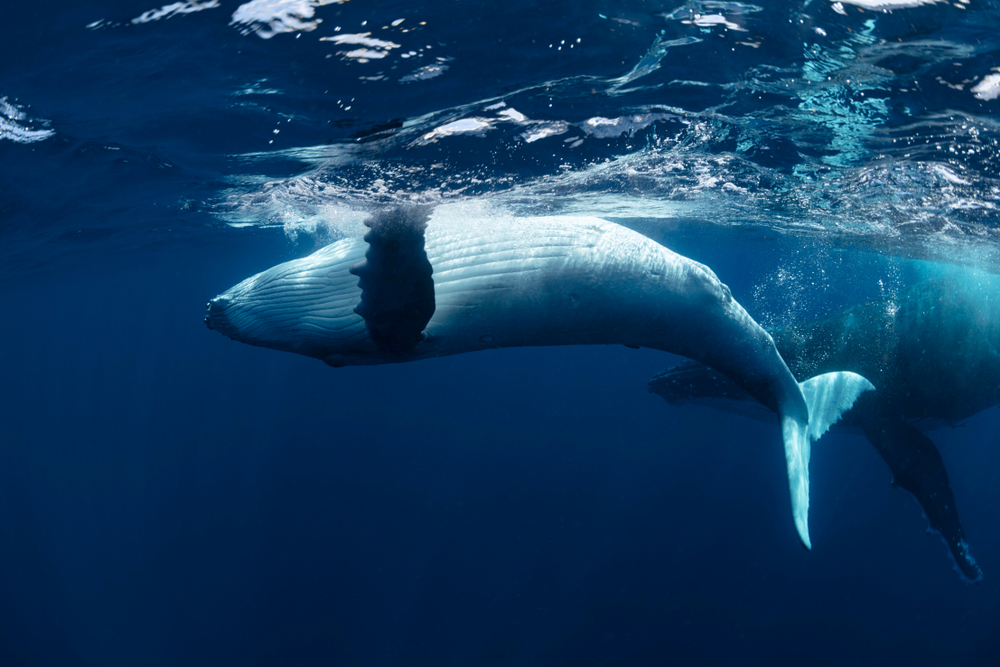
(420,285)
(933,350)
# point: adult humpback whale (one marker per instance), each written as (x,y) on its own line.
(933,350)
(419,286)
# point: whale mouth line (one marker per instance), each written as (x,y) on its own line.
(216,318)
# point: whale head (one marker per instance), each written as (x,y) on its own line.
(305,306)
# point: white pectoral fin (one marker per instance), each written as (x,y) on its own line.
(828,396)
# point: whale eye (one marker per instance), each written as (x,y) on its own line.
(486,339)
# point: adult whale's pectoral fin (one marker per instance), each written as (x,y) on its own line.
(397,290)
(917,466)
(827,396)
(694,382)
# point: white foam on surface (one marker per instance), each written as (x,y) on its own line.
(171,10)
(887,4)
(374,49)
(17,127)
(988,88)
(267,18)
(464,126)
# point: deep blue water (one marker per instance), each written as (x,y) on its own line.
(169,496)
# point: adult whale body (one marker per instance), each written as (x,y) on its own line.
(420,286)
(934,352)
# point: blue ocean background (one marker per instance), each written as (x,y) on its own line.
(169,496)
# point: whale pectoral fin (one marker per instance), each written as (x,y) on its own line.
(397,290)
(827,396)
(917,466)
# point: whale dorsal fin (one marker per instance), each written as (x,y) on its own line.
(397,290)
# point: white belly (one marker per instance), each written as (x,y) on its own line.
(497,283)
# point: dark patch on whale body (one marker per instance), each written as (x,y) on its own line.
(933,353)
(397,287)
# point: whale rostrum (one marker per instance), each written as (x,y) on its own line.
(423,285)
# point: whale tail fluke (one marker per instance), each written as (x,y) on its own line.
(827,396)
